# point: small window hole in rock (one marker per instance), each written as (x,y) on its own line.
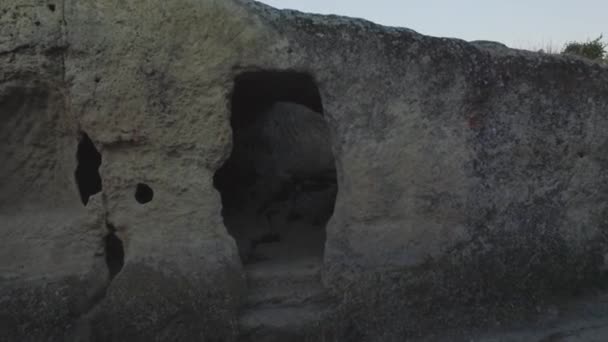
(87,174)
(114,251)
(143,193)
(279,185)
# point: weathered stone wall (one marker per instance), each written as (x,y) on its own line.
(48,240)
(469,175)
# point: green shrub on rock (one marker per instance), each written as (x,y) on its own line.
(593,49)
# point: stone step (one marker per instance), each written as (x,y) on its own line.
(272,274)
(292,324)
(273,296)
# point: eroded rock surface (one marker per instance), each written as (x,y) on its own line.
(472,183)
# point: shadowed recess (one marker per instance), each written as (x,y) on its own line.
(143,193)
(115,254)
(87,170)
(279,185)
(255,91)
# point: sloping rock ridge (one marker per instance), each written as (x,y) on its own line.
(468,188)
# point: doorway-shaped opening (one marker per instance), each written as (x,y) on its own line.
(279,185)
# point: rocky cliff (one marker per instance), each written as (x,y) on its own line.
(472,183)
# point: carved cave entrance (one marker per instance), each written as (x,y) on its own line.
(278,186)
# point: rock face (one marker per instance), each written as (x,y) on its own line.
(472,183)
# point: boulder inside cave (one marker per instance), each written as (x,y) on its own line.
(279,185)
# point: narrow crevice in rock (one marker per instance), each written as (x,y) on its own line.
(64,34)
(114,252)
(114,257)
(87,174)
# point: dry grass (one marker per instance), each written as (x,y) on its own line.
(548,46)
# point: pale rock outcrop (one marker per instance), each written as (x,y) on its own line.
(472,183)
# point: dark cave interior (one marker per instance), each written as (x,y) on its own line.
(270,213)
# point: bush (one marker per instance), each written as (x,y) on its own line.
(593,49)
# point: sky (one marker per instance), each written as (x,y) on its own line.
(524,24)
